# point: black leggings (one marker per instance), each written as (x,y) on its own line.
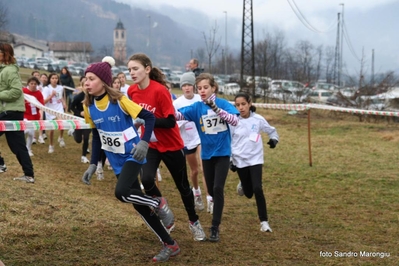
(82,134)
(128,190)
(251,182)
(16,142)
(215,172)
(175,161)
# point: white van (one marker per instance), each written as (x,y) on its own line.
(231,88)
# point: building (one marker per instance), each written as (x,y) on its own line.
(27,49)
(71,51)
(120,43)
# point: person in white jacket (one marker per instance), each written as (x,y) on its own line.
(191,139)
(247,153)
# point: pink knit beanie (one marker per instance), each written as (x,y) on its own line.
(103,69)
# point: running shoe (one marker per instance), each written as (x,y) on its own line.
(50,149)
(240,191)
(165,214)
(199,204)
(27,179)
(198,232)
(264,227)
(167,252)
(214,234)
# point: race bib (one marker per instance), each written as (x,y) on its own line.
(113,141)
(213,124)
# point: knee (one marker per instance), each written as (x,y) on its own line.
(258,190)
(120,193)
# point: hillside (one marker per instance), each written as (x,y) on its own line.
(93,21)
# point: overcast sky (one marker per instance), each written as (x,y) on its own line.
(370,24)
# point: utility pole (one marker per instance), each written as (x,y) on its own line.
(149,35)
(83,38)
(225,45)
(372,67)
(342,42)
(337,77)
(247,46)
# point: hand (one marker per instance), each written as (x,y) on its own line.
(213,106)
(233,167)
(138,122)
(272,143)
(89,173)
(139,151)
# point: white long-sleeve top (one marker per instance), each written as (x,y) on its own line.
(188,130)
(246,141)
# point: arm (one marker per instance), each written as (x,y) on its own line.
(231,119)
(14,90)
(168,122)
(149,119)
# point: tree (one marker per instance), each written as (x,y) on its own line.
(212,44)
(3,15)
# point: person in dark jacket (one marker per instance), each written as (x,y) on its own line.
(194,67)
(67,80)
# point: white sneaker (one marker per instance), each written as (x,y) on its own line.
(41,140)
(210,206)
(62,142)
(198,232)
(50,149)
(44,136)
(30,153)
(34,141)
(70,132)
(264,227)
(100,173)
(199,204)
(240,191)
(84,159)
(159,175)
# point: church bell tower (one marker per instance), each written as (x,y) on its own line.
(120,43)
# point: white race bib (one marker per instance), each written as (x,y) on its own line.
(213,124)
(115,141)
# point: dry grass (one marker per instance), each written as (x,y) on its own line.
(347,202)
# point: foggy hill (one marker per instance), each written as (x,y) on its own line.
(94,21)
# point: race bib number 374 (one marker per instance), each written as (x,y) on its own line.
(213,124)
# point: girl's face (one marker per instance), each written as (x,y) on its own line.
(44,79)
(54,80)
(94,85)
(204,89)
(82,82)
(138,72)
(116,84)
(188,91)
(243,106)
(64,71)
(122,78)
(32,86)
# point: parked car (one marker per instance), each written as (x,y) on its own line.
(175,81)
(319,96)
(231,88)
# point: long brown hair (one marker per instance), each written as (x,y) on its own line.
(8,54)
(113,96)
(155,73)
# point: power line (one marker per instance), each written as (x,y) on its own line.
(349,43)
(305,22)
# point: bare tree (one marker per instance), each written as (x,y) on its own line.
(212,44)
(3,15)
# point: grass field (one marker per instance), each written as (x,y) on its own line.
(346,202)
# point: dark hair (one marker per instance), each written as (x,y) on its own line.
(121,73)
(81,78)
(33,79)
(8,54)
(195,61)
(35,71)
(51,75)
(155,73)
(66,68)
(210,78)
(247,97)
(113,80)
(44,74)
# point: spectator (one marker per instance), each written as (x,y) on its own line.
(194,67)
(67,80)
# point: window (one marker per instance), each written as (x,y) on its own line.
(23,48)
(116,34)
(123,35)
